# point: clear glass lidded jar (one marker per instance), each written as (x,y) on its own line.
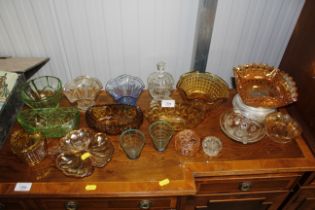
(160,83)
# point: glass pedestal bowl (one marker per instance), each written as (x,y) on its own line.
(125,89)
(42,92)
(83,91)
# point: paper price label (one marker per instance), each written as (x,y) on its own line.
(23,187)
(168,103)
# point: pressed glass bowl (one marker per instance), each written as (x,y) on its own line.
(281,128)
(82,150)
(203,90)
(180,117)
(187,142)
(161,133)
(125,89)
(83,91)
(29,147)
(114,118)
(52,122)
(240,128)
(264,86)
(132,142)
(42,92)
(211,146)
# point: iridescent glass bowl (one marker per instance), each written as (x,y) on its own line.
(83,91)
(51,122)
(42,92)
(187,142)
(125,89)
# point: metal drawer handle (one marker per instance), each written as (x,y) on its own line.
(71,205)
(145,204)
(245,186)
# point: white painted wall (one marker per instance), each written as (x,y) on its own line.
(106,38)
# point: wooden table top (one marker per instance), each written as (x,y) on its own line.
(122,177)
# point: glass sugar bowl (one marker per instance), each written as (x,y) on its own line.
(160,83)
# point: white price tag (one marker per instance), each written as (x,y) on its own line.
(23,186)
(168,103)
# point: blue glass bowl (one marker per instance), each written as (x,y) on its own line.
(125,89)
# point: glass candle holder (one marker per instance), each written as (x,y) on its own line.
(161,133)
(132,142)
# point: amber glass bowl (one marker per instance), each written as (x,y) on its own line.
(264,86)
(281,128)
(114,118)
(202,90)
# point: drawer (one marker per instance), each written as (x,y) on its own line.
(109,203)
(13,204)
(237,184)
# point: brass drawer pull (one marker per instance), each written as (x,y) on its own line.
(71,205)
(245,186)
(145,204)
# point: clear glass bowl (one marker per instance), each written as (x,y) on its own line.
(42,92)
(82,150)
(132,142)
(29,147)
(51,122)
(261,85)
(241,129)
(83,91)
(125,89)
(211,146)
(114,118)
(203,90)
(282,128)
(161,133)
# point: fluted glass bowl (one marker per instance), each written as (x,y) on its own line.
(203,90)
(52,122)
(125,89)
(42,92)
(83,91)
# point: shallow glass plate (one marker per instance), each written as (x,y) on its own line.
(240,128)
(264,86)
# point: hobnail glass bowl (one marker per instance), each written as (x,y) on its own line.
(83,91)
(202,90)
(51,122)
(42,92)
(125,89)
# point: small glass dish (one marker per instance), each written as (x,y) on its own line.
(281,128)
(264,86)
(51,122)
(240,128)
(211,146)
(132,142)
(114,118)
(180,117)
(125,89)
(42,92)
(83,91)
(29,147)
(161,133)
(203,90)
(187,142)
(82,150)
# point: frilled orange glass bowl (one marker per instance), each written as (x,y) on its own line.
(264,86)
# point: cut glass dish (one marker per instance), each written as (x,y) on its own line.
(264,86)
(125,89)
(114,118)
(203,90)
(180,117)
(51,122)
(241,129)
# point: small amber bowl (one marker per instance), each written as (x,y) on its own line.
(187,142)
(29,147)
(281,128)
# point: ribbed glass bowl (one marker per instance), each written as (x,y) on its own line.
(42,92)
(203,90)
(52,122)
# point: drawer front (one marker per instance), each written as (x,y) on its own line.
(13,204)
(239,184)
(115,204)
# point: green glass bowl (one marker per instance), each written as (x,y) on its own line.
(51,122)
(42,92)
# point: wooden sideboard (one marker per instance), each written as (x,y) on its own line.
(255,176)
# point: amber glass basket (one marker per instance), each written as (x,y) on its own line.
(261,85)
(203,90)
